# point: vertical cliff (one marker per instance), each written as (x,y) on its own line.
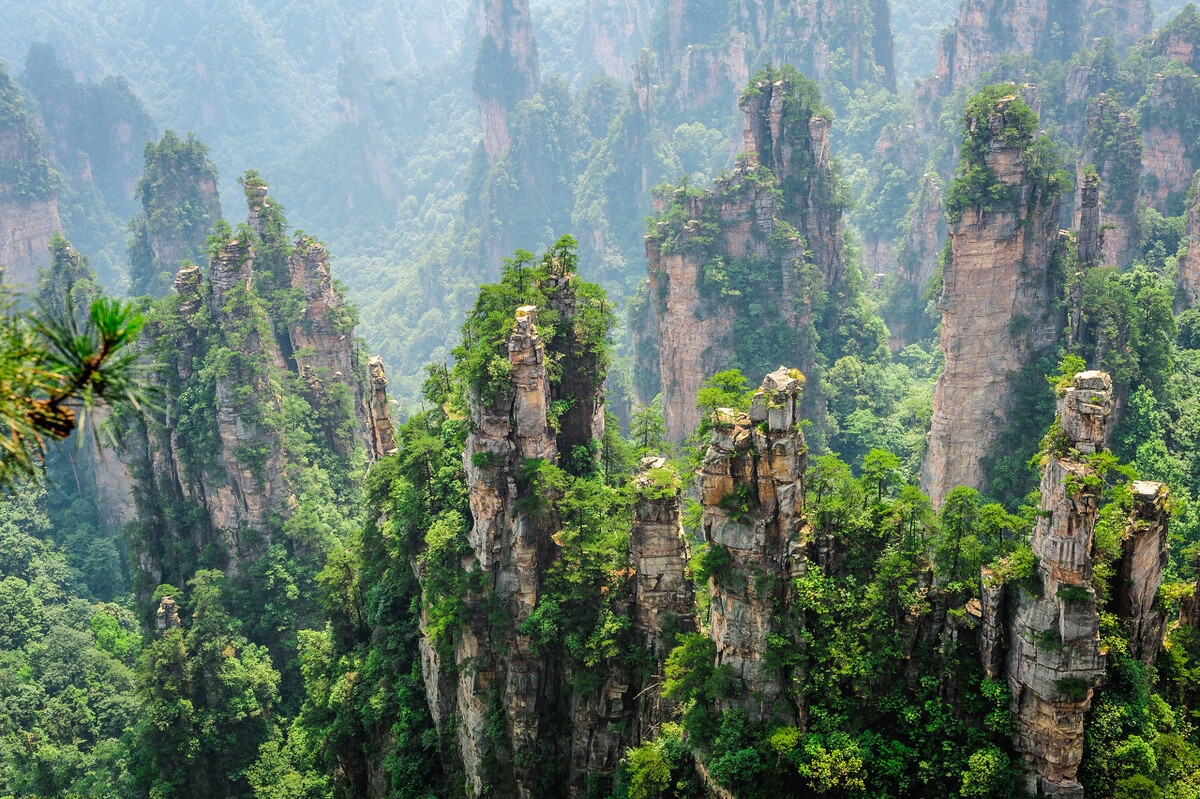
(506,69)
(28,202)
(1112,143)
(616,31)
(180,205)
(1188,281)
(1041,630)
(734,270)
(999,284)
(751,485)
(258,364)
(1139,573)
(1054,660)
(1169,154)
(986,30)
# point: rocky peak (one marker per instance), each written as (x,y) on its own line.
(1054,661)
(1140,573)
(997,298)
(751,485)
(776,211)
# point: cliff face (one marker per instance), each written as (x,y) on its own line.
(28,204)
(220,455)
(1049,623)
(776,246)
(751,486)
(1168,158)
(616,32)
(506,69)
(985,30)
(997,313)
(1051,676)
(505,698)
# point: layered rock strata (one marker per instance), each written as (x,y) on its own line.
(745,222)
(998,312)
(1054,661)
(751,485)
(1140,572)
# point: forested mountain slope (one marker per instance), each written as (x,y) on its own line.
(794,400)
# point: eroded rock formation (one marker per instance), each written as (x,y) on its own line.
(765,242)
(998,311)
(986,30)
(1041,631)
(751,486)
(1054,660)
(506,69)
(496,677)
(220,452)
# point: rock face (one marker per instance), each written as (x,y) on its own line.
(616,31)
(985,30)
(504,699)
(1168,158)
(25,231)
(506,69)
(1054,659)
(1140,574)
(1042,632)
(219,453)
(745,225)
(28,204)
(1188,281)
(997,313)
(707,57)
(751,485)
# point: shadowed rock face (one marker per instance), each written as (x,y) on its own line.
(997,305)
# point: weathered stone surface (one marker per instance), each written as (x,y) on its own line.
(751,485)
(379,417)
(25,231)
(997,305)
(1054,660)
(695,323)
(1140,572)
(1168,159)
